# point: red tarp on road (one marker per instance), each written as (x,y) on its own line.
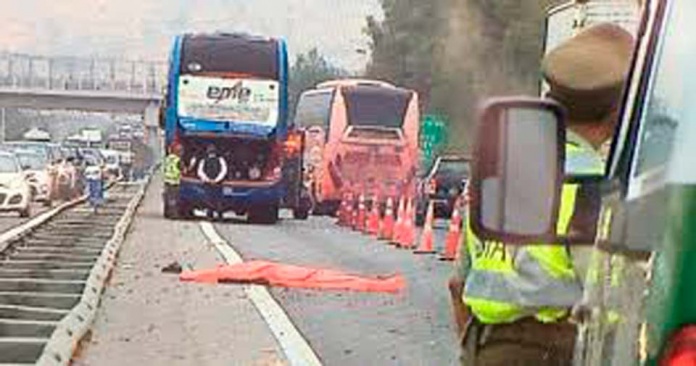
(285,275)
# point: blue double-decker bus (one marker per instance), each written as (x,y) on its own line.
(225,115)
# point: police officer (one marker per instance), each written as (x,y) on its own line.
(172,179)
(512,304)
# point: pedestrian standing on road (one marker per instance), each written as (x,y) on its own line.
(512,304)
(172,178)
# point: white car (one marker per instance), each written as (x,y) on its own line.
(36,171)
(15,192)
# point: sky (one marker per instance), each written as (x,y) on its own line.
(143,29)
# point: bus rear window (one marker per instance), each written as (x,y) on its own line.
(230,53)
(376,106)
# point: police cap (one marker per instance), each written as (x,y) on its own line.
(587,72)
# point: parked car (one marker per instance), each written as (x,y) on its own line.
(443,183)
(37,174)
(15,192)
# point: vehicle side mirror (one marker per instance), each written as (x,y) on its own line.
(517,173)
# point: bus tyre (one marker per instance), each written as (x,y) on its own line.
(185,211)
(170,210)
(300,213)
(267,215)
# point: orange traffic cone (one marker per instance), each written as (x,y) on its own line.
(342,210)
(360,224)
(454,234)
(373,219)
(386,229)
(399,225)
(347,219)
(353,215)
(409,229)
(427,240)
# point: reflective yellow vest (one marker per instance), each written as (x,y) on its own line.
(172,172)
(507,283)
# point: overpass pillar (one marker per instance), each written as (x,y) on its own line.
(152,133)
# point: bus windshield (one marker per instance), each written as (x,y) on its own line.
(376,106)
(313,109)
(229,78)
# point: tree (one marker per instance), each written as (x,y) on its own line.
(455,53)
(307,71)
(490,48)
(403,44)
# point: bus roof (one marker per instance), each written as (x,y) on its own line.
(353,82)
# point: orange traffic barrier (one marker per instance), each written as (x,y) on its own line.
(285,275)
(454,234)
(386,228)
(399,225)
(360,225)
(426,239)
(409,228)
(373,219)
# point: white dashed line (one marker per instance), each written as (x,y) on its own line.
(296,348)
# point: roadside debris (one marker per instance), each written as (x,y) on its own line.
(173,267)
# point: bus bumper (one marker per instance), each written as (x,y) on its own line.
(237,198)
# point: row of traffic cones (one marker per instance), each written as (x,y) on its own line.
(401,231)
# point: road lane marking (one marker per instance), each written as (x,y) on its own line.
(295,347)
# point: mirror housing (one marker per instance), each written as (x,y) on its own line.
(517,170)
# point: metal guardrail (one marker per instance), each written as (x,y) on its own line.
(32,72)
(52,275)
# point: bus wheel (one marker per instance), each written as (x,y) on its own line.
(185,212)
(171,205)
(265,215)
(300,213)
(170,210)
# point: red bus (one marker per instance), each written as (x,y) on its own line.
(361,137)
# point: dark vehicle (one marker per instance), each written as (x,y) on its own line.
(442,185)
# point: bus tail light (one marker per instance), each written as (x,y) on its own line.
(681,349)
(293,144)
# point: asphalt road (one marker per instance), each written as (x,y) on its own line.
(148,317)
(9,220)
(349,328)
